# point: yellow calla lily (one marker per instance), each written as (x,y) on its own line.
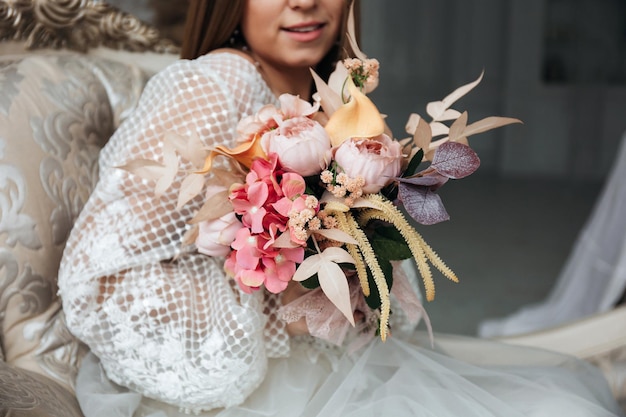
(358,118)
(244,153)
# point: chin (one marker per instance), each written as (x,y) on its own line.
(306,60)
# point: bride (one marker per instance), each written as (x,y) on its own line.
(169,333)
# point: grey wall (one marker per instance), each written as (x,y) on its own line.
(571,127)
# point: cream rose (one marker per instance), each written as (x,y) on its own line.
(302,145)
(378,160)
(215,236)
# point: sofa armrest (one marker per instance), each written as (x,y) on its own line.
(28,394)
(56,112)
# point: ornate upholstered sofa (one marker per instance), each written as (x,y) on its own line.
(70,71)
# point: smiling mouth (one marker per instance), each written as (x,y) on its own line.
(305,29)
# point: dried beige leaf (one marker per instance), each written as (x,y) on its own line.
(213,208)
(352,35)
(330,100)
(422,135)
(438,129)
(189,147)
(191,186)
(170,169)
(438,110)
(145,168)
(457,128)
(488,123)
(333,280)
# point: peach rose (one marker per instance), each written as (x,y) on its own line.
(378,160)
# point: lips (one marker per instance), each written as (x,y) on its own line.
(305,28)
(305,32)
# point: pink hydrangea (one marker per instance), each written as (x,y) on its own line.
(264,204)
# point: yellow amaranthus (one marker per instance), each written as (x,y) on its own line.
(386,211)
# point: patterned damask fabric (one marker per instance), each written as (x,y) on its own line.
(25,393)
(56,112)
(77,25)
(174,330)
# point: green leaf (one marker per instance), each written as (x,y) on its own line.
(313,185)
(414,164)
(390,249)
(311,283)
(388,232)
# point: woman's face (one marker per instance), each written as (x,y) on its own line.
(291,33)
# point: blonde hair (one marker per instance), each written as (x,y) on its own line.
(210,25)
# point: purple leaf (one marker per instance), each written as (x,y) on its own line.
(455,160)
(432,180)
(422,204)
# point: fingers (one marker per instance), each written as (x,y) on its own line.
(297,328)
(359,316)
(294,290)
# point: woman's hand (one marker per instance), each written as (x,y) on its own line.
(295,290)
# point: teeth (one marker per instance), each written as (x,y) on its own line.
(304,29)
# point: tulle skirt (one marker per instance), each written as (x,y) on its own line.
(459,377)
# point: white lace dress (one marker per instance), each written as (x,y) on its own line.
(170,332)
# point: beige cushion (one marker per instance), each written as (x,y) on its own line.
(56,112)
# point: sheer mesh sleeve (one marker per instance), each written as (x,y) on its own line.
(165,320)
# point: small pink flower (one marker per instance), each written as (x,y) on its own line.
(267,171)
(215,236)
(292,185)
(251,205)
(230,264)
(377,160)
(302,145)
(251,278)
(263,168)
(293,188)
(280,268)
(247,247)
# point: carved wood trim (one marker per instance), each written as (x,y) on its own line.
(77,25)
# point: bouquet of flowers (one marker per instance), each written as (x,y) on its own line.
(320,196)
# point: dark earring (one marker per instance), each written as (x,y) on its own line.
(237,40)
(235,37)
